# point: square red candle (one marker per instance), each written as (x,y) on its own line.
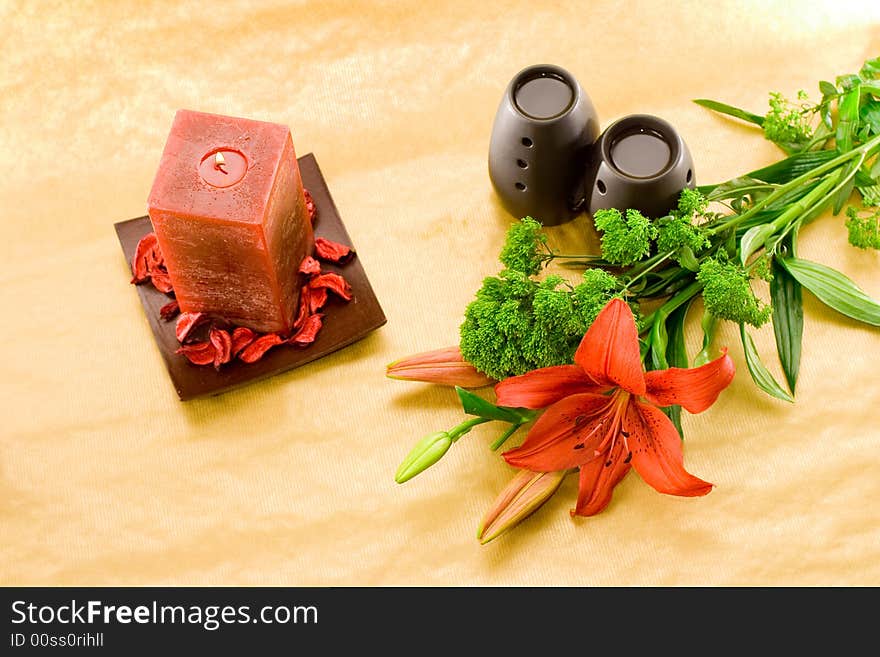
(228,208)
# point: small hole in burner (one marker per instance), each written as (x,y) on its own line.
(526,142)
(601,187)
(522,164)
(520,187)
(690,175)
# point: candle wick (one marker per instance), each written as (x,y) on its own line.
(220,162)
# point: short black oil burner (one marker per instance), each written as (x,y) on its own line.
(639,162)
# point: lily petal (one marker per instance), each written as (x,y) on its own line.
(609,352)
(543,387)
(598,479)
(565,436)
(443,366)
(526,492)
(656,452)
(694,389)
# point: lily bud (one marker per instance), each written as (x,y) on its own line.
(426,453)
(444,366)
(525,493)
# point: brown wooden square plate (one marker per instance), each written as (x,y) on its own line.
(344,322)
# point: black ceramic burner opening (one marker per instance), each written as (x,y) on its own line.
(544,95)
(641,150)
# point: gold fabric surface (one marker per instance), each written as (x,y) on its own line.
(107,479)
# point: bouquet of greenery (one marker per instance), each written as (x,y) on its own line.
(523,329)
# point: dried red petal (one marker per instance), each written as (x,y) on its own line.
(306,335)
(144,249)
(303,312)
(161,281)
(155,260)
(187,322)
(333,282)
(169,310)
(241,338)
(148,263)
(332,251)
(317,299)
(310,266)
(310,206)
(198,353)
(256,349)
(222,342)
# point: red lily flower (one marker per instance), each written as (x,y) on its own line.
(597,421)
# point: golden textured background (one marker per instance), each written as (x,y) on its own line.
(106,478)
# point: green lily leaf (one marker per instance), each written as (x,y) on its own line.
(676,354)
(847,119)
(791,167)
(842,196)
(848,81)
(708,324)
(760,374)
(827,88)
(788,321)
(659,341)
(834,289)
(870,195)
(473,404)
(870,116)
(829,91)
(730,110)
(865,178)
(736,188)
(687,259)
(870,69)
(753,240)
(643,348)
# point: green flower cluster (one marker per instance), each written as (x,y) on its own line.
(727,293)
(864,230)
(517,323)
(628,238)
(678,230)
(525,249)
(625,240)
(787,122)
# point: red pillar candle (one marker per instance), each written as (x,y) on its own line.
(228,208)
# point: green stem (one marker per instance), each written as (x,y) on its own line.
(671,304)
(740,191)
(818,205)
(822,202)
(821,135)
(646,270)
(555,256)
(862,150)
(792,184)
(681,297)
(649,263)
(504,436)
(457,432)
(807,201)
